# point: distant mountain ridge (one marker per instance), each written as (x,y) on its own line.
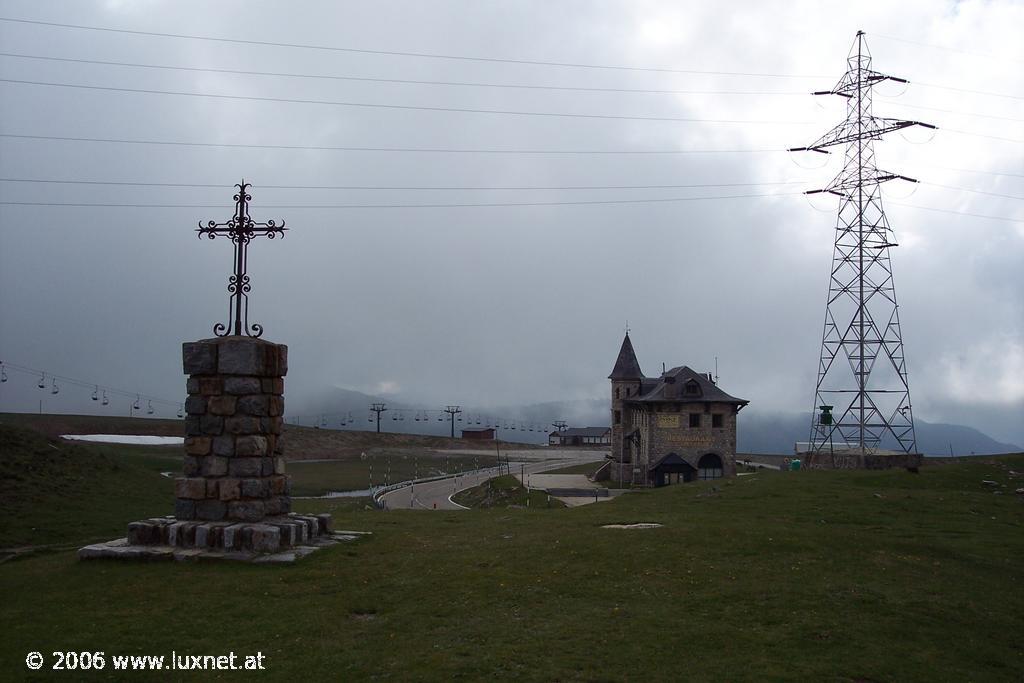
(758,432)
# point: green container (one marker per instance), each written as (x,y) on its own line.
(794,465)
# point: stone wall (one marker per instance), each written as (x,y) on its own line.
(234,460)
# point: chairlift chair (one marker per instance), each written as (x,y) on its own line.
(54,389)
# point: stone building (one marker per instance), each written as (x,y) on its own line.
(669,429)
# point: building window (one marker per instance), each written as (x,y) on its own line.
(627,392)
(616,392)
(692,388)
(716,420)
(694,420)
(618,416)
(709,467)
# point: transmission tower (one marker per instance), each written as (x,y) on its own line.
(862,393)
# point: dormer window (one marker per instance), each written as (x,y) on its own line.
(692,388)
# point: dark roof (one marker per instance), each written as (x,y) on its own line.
(626,365)
(668,460)
(654,391)
(583,431)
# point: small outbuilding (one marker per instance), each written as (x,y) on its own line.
(479,434)
(581,436)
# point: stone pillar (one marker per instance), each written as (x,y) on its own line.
(234,464)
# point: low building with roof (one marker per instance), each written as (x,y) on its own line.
(581,436)
(670,429)
(478,433)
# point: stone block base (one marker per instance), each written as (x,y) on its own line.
(284,538)
(853,460)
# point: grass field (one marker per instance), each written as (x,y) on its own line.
(505,492)
(824,576)
(301,443)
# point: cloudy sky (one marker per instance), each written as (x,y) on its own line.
(525,299)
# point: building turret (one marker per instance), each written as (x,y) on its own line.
(627,381)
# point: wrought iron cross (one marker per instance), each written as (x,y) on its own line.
(240,229)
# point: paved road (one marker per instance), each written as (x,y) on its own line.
(433,495)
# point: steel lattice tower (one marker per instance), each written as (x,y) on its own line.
(869,392)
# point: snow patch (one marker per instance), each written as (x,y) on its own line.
(128,438)
(642,525)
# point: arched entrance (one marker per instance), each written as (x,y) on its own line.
(671,469)
(709,467)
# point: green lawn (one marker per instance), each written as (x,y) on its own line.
(823,576)
(504,492)
(57,491)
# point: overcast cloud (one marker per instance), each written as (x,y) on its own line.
(502,305)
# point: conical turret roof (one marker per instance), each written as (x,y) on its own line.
(626,365)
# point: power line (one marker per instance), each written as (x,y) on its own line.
(954,111)
(968,90)
(402,187)
(407,107)
(970,170)
(960,213)
(426,55)
(982,135)
(442,150)
(401,206)
(430,150)
(399,80)
(468,84)
(947,48)
(468,188)
(967,189)
(475,205)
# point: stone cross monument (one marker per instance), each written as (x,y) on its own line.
(232,502)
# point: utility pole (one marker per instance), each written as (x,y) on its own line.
(378,408)
(862,369)
(452,412)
